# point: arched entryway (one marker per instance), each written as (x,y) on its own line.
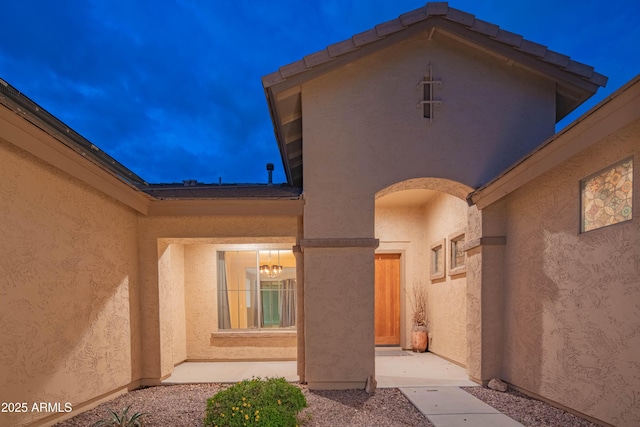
(421,225)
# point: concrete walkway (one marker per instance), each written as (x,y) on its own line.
(454,407)
(431,383)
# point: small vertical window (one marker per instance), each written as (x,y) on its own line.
(437,260)
(607,197)
(456,254)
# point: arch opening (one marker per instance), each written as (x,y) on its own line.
(425,222)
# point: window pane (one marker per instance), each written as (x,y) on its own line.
(457,255)
(238,287)
(607,197)
(250,297)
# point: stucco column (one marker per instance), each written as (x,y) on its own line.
(485,270)
(297,252)
(339,312)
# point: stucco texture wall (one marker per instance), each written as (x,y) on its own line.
(68,288)
(363,132)
(571,317)
(445,215)
(159,307)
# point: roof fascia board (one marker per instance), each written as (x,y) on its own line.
(613,113)
(236,207)
(499,49)
(277,130)
(474,38)
(25,135)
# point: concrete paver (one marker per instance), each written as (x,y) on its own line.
(454,407)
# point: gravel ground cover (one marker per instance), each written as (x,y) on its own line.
(184,405)
(527,411)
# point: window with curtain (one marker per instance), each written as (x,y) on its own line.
(256,289)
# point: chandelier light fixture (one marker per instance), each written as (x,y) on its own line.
(271,270)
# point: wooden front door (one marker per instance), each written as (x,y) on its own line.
(387,301)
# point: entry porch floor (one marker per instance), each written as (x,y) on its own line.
(394,368)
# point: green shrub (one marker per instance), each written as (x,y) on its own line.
(122,419)
(256,402)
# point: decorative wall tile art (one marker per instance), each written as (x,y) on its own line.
(607,196)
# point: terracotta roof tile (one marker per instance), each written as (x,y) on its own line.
(389,27)
(414,16)
(341,48)
(510,38)
(485,28)
(272,79)
(437,8)
(434,10)
(534,49)
(317,58)
(460,17)
(365,37)
(580,68)
(599,79)
(293,69)
(556,58)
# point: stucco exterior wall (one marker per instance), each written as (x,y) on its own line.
(447,323)
(171,268)
(157,310)
(68,288)
(363,132)
(571,300)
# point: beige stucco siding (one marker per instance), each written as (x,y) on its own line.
(171,278)
(571,300)
(68,288)
(443,216)
(363,131)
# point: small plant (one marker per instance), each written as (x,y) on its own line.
(122,419)
(419,305)
(256,402)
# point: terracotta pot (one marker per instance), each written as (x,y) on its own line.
(419,339)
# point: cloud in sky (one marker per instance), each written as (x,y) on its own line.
(172,89)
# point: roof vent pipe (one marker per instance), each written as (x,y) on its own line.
(270,171)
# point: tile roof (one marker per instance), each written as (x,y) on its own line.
(221,191)
(429,11)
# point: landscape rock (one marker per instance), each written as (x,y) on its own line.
(371,385)
(498,385)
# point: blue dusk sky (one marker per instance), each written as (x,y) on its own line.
(172,88)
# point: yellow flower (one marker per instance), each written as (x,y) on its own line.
(246,417)
(244,398)
(279,402)
(221,414)
(257,412)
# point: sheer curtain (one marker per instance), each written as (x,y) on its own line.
(288,303)
(224,317)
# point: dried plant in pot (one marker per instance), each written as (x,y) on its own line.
(418,302)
